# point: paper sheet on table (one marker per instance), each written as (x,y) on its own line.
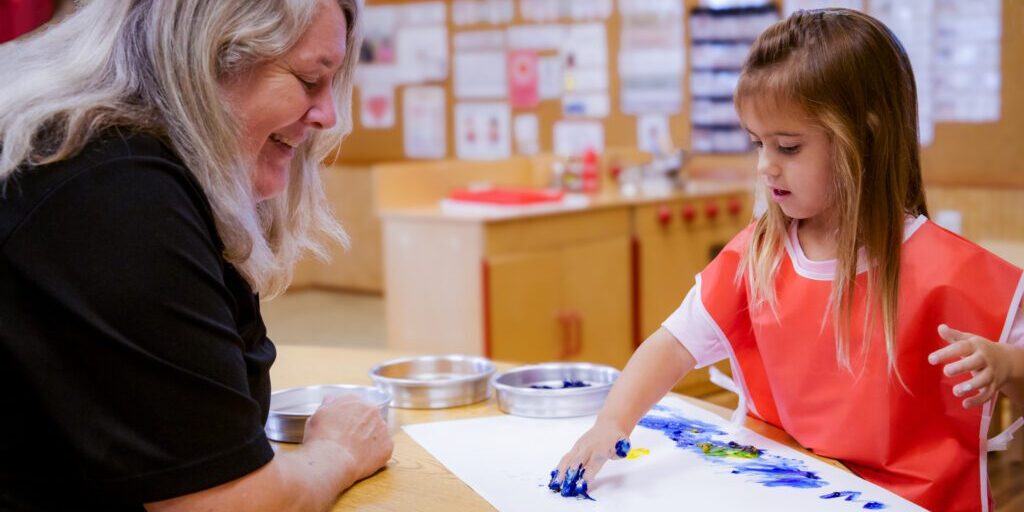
(507,460)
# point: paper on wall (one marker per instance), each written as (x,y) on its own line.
(967,61)
(377,106)
(592,104)
(422,13)
(482,131)
(424,122)
(542,10)
(422,53)
(590,9)
(507,460)
(586,46)
(480,75)
(551,78)
(479,40)
(572,138)
(792,6)
(913,23)
(523,79)
(536,37)
(526,130)
(472,12)
(651,56)
(380,24)
(653,134)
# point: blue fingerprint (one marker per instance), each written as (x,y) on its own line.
(854,497)
(701,438)
(622,447)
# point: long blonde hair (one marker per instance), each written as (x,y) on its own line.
(156,66)
(849,74)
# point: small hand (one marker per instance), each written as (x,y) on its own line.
(598,445)
(986,361)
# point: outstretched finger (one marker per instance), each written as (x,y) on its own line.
(952,335)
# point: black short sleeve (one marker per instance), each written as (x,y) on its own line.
(137,354)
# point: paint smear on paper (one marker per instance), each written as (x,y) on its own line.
(636,453)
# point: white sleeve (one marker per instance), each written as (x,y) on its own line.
(692,326)
(1016,337)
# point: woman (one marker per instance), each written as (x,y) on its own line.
(159,162)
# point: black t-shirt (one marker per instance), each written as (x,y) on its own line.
(133,358)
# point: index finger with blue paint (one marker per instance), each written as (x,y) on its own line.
(622,447)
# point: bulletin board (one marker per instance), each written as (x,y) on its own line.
(975,154)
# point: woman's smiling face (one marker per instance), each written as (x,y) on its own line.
(281,101)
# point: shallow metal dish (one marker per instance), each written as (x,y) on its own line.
(434,382)
(516,396)
(290,408)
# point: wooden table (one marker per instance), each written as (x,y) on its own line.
(413,479)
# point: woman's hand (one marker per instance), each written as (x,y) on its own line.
(357,428)
(991,364)
(603,442)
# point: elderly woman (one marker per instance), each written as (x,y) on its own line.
(158,161)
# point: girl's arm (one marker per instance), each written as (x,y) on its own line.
(650,373)
(994,367)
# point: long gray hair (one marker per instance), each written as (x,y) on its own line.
(156,66)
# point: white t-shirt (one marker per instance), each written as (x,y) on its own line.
(691,324)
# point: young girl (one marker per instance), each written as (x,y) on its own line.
(832,306)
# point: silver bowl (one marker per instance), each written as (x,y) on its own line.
(434,382)
(518,393)
(290,408)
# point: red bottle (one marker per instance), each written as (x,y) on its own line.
(591,179)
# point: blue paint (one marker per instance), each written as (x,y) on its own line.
(566,384)
(573,486)
(854,497)
(622,447)
(700,438)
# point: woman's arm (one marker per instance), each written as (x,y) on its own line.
(346,440)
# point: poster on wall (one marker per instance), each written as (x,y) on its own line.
(572,138)
(423,53)
(968,46)
(651,56)
(551,79)
(791,6)
(585,71)
(424,122)
(525,128)
(377,106)
(653,134)
(913,23)
(472,12)
(523,79)
(480,75)
(482,131)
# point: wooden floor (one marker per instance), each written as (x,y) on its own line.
(326,318)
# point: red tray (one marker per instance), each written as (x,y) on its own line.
(507,195)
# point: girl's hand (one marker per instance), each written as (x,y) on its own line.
(988,363)
(603,442)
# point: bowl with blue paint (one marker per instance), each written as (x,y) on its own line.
(554,390)
(434,382)
(290,408)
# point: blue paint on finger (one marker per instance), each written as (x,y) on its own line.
(622,447)
(554,484)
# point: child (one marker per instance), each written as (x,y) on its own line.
(829,306)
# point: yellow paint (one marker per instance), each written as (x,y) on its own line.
(636,453)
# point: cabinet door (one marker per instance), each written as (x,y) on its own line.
(598,290)
(524,300)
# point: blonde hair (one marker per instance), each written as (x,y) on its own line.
(848,73)
(156,67)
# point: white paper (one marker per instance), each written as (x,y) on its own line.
(586,105)
(507,460)
(967,54)
(377,106)
(590,9)
(550,78)
(536,37)
(542,10)
(792,6)
(586,45)
(423,13)
(913,23)
(525,128)
(482,131)
(479,40)
(472,12)
(656,8)
(480,75)
(424,122)
(651,57)
(423,53)
(652,133)
(572,138)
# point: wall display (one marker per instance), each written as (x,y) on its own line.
(536,37)
(423,53)
(480,75)
(525,128)
(913,23)
(423,13)
(967,61)
(551,10)
(472,12)
(791,6)
(482,131)
(523,79)
(651,56)
(585,68)
(590,104)
(479,40)
(653,134)
(424,122)
(550,77)
(572,138)
(682,458)
(377,106)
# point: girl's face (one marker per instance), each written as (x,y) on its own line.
(280,102)
(794,160)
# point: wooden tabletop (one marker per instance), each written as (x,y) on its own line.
(413,479)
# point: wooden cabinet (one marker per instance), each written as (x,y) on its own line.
(675,240)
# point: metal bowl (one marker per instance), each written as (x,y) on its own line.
(290,408)
(434,382)
(518,393)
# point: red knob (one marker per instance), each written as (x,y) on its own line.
(688,213)
(734,207)
(615,171)
(664,215)
(711,210)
